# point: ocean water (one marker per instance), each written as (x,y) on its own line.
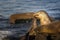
(9,7)
(14,31)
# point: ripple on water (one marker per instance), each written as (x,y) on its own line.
(13,30)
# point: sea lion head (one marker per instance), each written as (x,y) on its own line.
(40,14)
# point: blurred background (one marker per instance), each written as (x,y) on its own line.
(9,7)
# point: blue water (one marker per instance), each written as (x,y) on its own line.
(9,7)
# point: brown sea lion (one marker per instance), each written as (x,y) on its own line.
(14,17)
(47,28)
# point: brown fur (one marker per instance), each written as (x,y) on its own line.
(27,15)
(43,15)
(52,29)
(45,30)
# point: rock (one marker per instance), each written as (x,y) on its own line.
(4,34)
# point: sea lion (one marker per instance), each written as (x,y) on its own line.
(14,17)
(47,28)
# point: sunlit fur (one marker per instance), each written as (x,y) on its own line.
(47,27)
(43,16)
(44,19)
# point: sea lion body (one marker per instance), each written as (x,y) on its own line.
(14,17)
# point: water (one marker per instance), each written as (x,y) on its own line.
(16,30)
(9,7)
